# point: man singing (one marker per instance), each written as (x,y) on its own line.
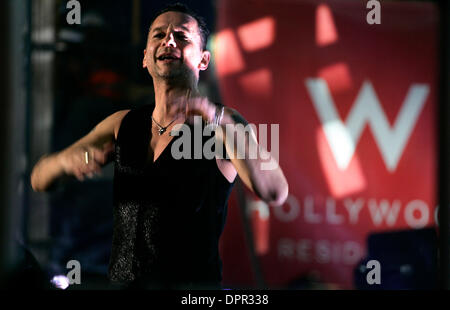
(169,213)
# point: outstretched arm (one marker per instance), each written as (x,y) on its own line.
(83,158)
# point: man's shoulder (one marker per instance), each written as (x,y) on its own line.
(116,120)
(225,107)
(134,117)
(138,111)
(235,115)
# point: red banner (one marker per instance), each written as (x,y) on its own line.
(355,103)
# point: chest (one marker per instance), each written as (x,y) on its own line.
(157,145)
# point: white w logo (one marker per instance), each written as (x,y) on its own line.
(343,137)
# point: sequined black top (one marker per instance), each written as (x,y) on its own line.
(168,215)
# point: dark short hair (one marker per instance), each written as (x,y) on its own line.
(182,8)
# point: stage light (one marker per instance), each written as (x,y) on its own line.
(60,281)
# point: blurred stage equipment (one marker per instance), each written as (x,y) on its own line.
(407,260)
(13,29)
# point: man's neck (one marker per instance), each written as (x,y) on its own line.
(167,96)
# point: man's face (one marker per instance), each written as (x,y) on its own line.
(174,47)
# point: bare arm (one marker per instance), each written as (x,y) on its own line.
(257,168)
(72,161)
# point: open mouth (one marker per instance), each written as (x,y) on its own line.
(167,58)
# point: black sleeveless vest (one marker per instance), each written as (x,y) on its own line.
(168,215)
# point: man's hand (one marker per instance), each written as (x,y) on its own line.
(84,161)
(195,106)
(74,160)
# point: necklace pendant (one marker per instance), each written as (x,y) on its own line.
(161,131)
